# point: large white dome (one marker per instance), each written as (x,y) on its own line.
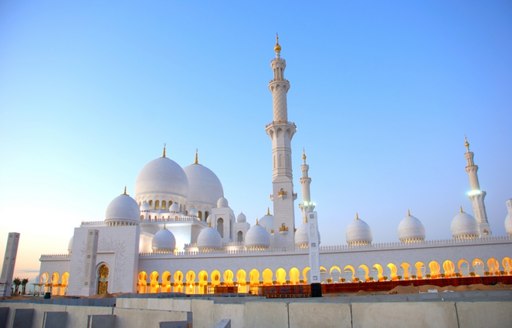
(302,236)
(163,241)
(257,237)
(267,221)
(411,229)
(122,210)
(209,238)
(358,233)
(204,188)
(464,226)
(161,176)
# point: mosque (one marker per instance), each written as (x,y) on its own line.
(179,234)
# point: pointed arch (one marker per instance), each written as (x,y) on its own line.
(142,284)
(405,270)
(281,276)
(178,281)
(463,267)
(215,277)
(478,267)
(254,277)
(190,282)
(294,276)
(203,282)
(420,269)
(335,273)
(434,269)
(228,277)
(393,271)
(366,272)
(448,268)
(154,286)
(305,273)
(350,269)
(507,265)
(267,276)
(166,282)
(493,266)
(380,271)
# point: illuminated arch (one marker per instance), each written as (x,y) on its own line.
(178,281)
(448,268)
(350,269)
(405,270)
(305,274)
(393,271)
(254,277)
(215,276)
(190,282)
(203,282)
(64,283)
(380,271)
(335,273)
(267,277)
(228,277)
(463,267)
(281,276)
(102,274)
(493,266)
(507,265)
(154,286)
(294,276)
(478,267)
(323,273)
(241,279)
(55,283)
(435,269)
(420,269)
(366,271)
(166,282)
(142,284)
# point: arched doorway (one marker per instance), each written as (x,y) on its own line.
(103,279)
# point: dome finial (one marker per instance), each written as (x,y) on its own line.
(461,209)
(196,160)
(466,143)
(257,222)
(277,47)
(408,212)
(357,216)
(164,151)
(268,210)
(304,155)
(125,193)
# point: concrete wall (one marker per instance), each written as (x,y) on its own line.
(254,312)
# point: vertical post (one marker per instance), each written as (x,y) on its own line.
(11,251)
(314,255)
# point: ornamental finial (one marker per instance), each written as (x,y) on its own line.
(124,193)
(466,143)
(196,160)
(304,155)
(164,151)
(357,216)
(408,212)
(277,47)
(461,209)
(268,210)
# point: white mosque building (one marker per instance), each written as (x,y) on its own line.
(179,234)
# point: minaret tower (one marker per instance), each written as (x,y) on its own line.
(281,133)
(476,195)
(306,205)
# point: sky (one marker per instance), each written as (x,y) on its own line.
(382,93)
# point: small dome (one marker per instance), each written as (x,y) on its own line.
(204,188)
(358,233)
(209,238)
(222,203)
(464,226)
(302,236)
(163,241)
(174,208)
(257,237)
(209,219)
(241,218)
(192,211)
(145,207)
(267,221)
(162,176)
(122,210)
(508,218)
(411,229)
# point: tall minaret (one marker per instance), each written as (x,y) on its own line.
(306,205)
(476,195)
(281,132)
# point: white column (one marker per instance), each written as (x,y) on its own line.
(476,195)
(11,251)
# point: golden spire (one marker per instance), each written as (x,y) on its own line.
(257,222)
(196,160)
(408,212)
(461,209)
(124,193)
(277,47)
(164,152)
(268,210)
(357,216)
(466,143)
(304,155)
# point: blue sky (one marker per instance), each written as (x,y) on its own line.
(382,93)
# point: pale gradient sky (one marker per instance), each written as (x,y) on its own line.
(382,93)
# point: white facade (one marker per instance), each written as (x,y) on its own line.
(179,234)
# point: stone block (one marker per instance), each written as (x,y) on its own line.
(266,314)
(224,323)
(174,324)
(4,314)
(23,318)
(55,319)
(484,314)
(136,318)
(306,314)
(78,316)
(232,312)
(203,312)
(401,314)
(101,321)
